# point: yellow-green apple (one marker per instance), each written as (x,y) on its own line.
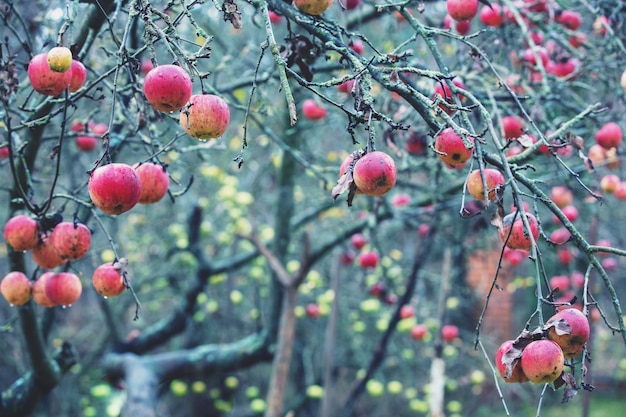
(313,7)
(59,59)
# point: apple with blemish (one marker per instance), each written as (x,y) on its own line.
(45,255)
(44,80)
(59,59)
(452,150)
(569,328)
(514,234)
(492,178)
(207,116)
(70,240)
(39,290)
(516,373)
(375,173)
(63,288)
(114,188)
(542,361)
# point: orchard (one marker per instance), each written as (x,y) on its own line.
(312,208)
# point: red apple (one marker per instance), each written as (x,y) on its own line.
(313,310)
(609,135)
(44,80)
(114,188)
(45,255)
(561,196)
(540,52)
(351,4)
(609,264)
(406,311)
(565,256)
(600,25)
(79,76)
(514,257)
(492,177)
(86,143)
(346,86)
(146,66)
(419,331)
(512,127)
(63,288)
(347,258)
(542,361)
(70,240)
(577,279)
(400,200)
(570,212)
(423,230)
(378,289)
(462,10)
(492,16)
(99,129)
(108,281)
(21,232)
(275,18)
(515,373)
(445,94)
(357,46)
(368,259)
(518,238)
(313,7)
(569,328)
(154,182)
(375,173)
(620,191)
(609,183)
(562,282)
(452,150)
(4,152)
(207,118)
(39,290)
(358,240)
(167,88)
(570,19)
(449,332)
(560,236)
(462,27)
(416,144)
(16,288)
(313,111)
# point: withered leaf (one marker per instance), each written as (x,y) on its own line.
(560,326)
(587,161)
(343,184)
(571,389)
(525,140)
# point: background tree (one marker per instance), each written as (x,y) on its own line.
(271,280)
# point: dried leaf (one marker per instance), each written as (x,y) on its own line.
(560,326)
(577,142)
(571,389)
(525,140)
(587,161)
(343,184)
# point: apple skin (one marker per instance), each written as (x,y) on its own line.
(517,238)
(493,178)
(609,183)
(167,87)
(108,281)
(208,117)
(517,375)
(4,152)
(39,290)
(609,135)
(154,182)
(570,19)
(44,80)
(492,16)
(21,232)
(449,332)
(462,10)
(86,143)
(63,288)
(70,241)
(443,91)
(451,149)
(79,76)
(368,260)
(313,7)
(313,310)
(416,144)
(562,282)
(358,240)
(59,59)
(514,257)
(572,344)
(375,173)
(419,331)
(313,111)
(407,311)
(512,127)
(16,288)
(561,196)
(45,255)
(542,361)
(114,188)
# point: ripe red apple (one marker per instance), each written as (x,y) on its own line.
(346,86)
(609,183)
(79,76)
(63,288)
(154,182)
(59,59)
(368,259)
(609,135)
(4,152)
(451,149)
(275,18)
(44,80)
(99,129)
(560,236)
(108,281)
(86,143)
(313,111)
(70,240)
(357,46)
(570,19)
(514,257)
(400,200)
(609,264)
(167,87)
(518,238)
(512,127)
(45,255)
(462,10)
(416,144)
(516,373)
(114,188)
(449,332)
(21,232)
(406,311)
(462,27)
(207,118)
(569,328)
(375,173)
(492,16)
(423,230)
(620,191)
(358,240)
(562,282)
(378,289)
(313,310)
(542,361)
(347,258)
(351,4)
(529,57)
(146,66)
(570,212)
(39,290)
(475,187)
(16,288)
(445,94)
(565,256)
(419,331)
(313,7)
(561,196)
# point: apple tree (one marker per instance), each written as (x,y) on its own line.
(274,207)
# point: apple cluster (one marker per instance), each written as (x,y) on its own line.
(53,72)
(539,356)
